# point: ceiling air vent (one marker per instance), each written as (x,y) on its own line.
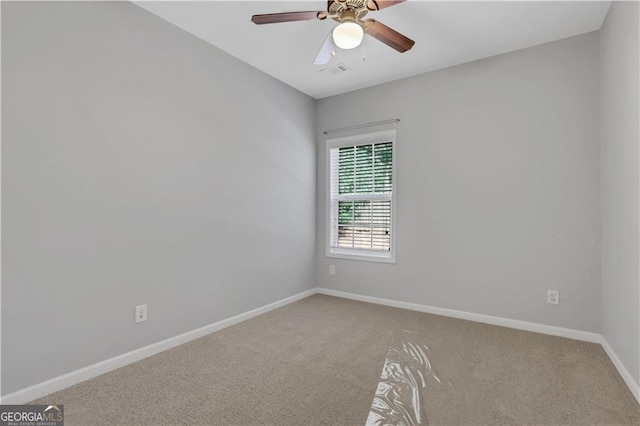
(337,69)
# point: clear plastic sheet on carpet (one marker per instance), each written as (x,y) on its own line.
(422,382)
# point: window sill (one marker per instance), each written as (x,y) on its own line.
(361,255)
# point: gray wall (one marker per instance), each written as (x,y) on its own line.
(620,182)
(136,169)
(497,186)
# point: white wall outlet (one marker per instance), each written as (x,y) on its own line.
(141,313)
(332,269)
(553,297)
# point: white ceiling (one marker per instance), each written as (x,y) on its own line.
(446,33)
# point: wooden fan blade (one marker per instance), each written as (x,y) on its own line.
(388,36)
(273,18)
(382,4)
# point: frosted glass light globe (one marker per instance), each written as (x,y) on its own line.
(348,35)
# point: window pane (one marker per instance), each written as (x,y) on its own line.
(364,169)
(383,167)
(381,225)
(345,236)
(345,213)
(346,165)
(364,225)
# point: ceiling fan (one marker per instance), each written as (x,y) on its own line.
(351,29)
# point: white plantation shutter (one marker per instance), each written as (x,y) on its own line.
(361,197)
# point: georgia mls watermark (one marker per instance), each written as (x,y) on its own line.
(31,415)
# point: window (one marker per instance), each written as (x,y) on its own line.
(360,197)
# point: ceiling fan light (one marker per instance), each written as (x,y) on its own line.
(348,35)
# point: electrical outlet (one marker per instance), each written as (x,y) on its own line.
(553,297)
(141,313)
(332,269)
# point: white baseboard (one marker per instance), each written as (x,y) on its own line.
(58,383)
(504,322)
(487,319)
(624,373)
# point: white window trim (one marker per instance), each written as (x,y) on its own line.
(361,254)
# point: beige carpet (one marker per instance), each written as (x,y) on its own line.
(319,361)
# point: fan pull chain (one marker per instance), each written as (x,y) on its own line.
(363,55)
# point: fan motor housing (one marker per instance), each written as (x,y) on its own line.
(337,8)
